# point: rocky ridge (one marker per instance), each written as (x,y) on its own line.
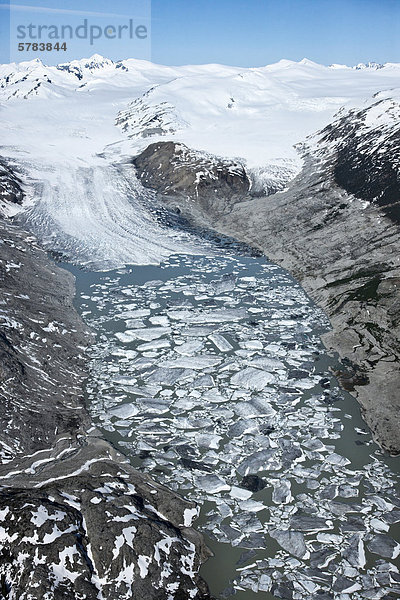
(10,186)
(76,520)
(335,232)
(175,170)
(364,147)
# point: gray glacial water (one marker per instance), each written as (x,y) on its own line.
(209,369)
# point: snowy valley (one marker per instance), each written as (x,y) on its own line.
(195,363)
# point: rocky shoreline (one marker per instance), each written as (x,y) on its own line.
(76,520)
(343,250)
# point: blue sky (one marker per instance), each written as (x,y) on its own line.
(235,32)
(255,33)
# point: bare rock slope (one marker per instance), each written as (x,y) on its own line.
(177,171)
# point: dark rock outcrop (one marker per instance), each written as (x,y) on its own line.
(344,250)
(76,520)
(196,178)
(366,148)
(87,523)
(10,185)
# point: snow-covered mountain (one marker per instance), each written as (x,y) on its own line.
(67,126)
(364,147)
(255,113)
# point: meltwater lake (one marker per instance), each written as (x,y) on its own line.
(208,372)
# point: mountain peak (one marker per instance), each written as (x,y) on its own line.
(35,62)
(308,62)
(96,61)
(369,65)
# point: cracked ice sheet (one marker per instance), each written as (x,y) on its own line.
(218,401)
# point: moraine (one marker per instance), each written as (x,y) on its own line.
(209,373)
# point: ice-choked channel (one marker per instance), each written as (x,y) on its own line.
(210,374)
